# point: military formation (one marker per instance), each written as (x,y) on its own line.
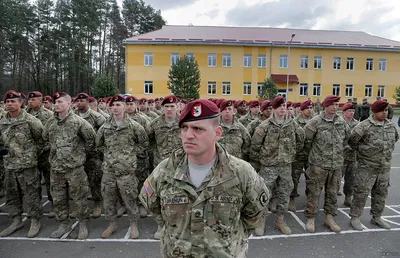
(208,171)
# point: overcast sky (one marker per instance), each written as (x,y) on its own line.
(376,17)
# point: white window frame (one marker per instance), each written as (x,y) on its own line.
(317,87)
(225,87)
(226,60)
(190,55)
(211,85)
(147,85)
(317,62)
(380,89)
(283,61)
(304,62)
(148,59)
(349,87)
(369,64)
(247,88)
(174,58)
(336,87)
(381,62)
(352,59)
(262,61)
(370,90)
(212,60)
(303,89)
(337,61)
(247,60)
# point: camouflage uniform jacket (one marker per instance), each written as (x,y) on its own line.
(95,119)
(247,119)
(43,114)
(374,142)
(276,144)
(214,220)
(141,119)
(165,137)
(251,128)
(122,145)
(349,153)
(23,138)
(159,112)
(70,140)
(235,139)
(101,112)
(301,155)
(325,141)
(152,115)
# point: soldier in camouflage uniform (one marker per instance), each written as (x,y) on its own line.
(2,170)
(374,140)
(102,105)
(94,106)
(158,109)
(48,103)
(241,108)
(36,109)
(124,141)
(208,200)
(266,111)
(21,134)
(253,114)
(71,139)
(235,137)
(145,110)
(274,144)
(301,160)
(93,162)
(326,136)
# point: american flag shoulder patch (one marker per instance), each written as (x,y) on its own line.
(148,188)
(259,132)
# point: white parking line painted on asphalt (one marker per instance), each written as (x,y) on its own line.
(72,228)
(347,215)
(394,210)
(128,233)
(77,240)
(298,220)
(1,205)
(398,224)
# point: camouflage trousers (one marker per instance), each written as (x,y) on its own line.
(348,171)
(44,169)
(76,180)
(2,172)
(374,180)
(23,183)
(142,172)
(279,181)
(316,179)
(298,168)
(94,173)
(126,186)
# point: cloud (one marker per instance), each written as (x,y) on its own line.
(169,4)
(211,14)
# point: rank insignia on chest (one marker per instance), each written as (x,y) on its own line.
(148,188)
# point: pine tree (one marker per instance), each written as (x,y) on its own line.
(269,90)
(396,95)
(104,86)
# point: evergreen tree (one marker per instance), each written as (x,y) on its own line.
(104,86)
(396,95)
(269,90)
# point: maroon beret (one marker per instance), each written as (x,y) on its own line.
(265,104)
(58,95)
(296,104)
(379,106)
(23,96)
(150,101)
(47,98)
(238,103)
(142,100)
(185,101)
(171,99)
(34,94)
(348,106)
(225,104)
(91,99)
(219,102)
(330,99)
(11,94)
(82,95)
(157,99)
(198,110)
(116,98)
(129,99)
(305,104)
(277,102)
(289,104)
(254,103)
(101,100)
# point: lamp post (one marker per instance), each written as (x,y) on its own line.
(288,68)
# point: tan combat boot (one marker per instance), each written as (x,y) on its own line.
(121,211)
(64,228)
(281,225)
(331,224)
(83,230)
(34,229)
(97,209)
(272,205)
(17,224)
(259,231)
(292,205)
(380,222)
(310,225)
(134,230)
(356,223)
(112,227)
(347,200)
(159,232)
(73,214)
(142,211)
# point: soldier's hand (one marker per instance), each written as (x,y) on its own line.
(3,151)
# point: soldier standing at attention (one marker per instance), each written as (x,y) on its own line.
(93,161)
(374,140)
(143,107)
(266,111)
(71,139)
(208,200)
(326,137)
(123,142)
(102,105)
(93,104)
(241,109)
(252,115)
(36,109)
(235,137)
(158,106)
(48,103)
(21,134)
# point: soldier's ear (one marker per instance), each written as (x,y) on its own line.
(218,133)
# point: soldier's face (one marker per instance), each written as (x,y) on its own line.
(381,116)
(82,104)
(242,108)
(34,102)
(290,111)
(47,104)
(332,109)
(13,105)
(158,103)
(117,108)
(268,111)
(308,111)
(130,107)
(143,106)
(102,105)
(255,110)
(227,115)
(349,114)
(170,110)
(93,106)
(62,105)
(151,106)
(281,111)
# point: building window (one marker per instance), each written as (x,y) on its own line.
(283,61)
(262,61)
(226,88)
(382,65)
(247,88)
(303,89)
(247,60)
(317,90)
(212,60)
(337,63)
(368,91)
(381,91)
(336,89)
(370,64)
(148,87)
(317,62)
(189,55)
(349,91)
(174,58)
(350,63)
(259,88)
(212,88)
(148,59)
(226,60)
(304,62)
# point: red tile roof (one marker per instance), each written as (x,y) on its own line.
(280,78)
(263,36)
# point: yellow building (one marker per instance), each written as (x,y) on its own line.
(235,60)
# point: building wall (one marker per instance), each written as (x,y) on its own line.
(237,74)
